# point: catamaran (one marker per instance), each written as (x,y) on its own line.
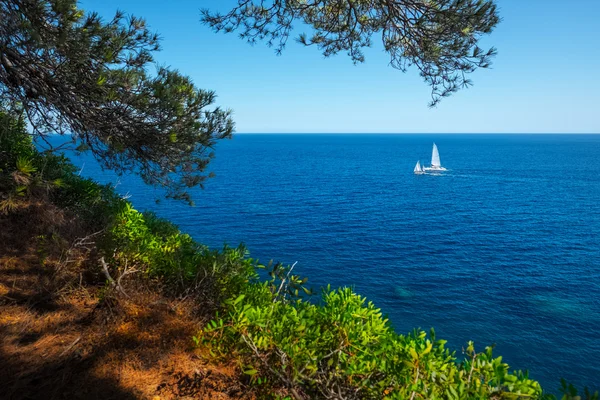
(436,165)
(419,168)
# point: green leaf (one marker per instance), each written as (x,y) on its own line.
(414,354)
(428,349)
(239,298)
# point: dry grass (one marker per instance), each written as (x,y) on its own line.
(63,337)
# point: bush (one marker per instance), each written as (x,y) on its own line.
(22,168)
(28,176)
(345,348)
(131,240)
(157,248)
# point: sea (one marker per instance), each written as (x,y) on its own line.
(503,248)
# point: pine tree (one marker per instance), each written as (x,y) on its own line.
(439,37)
(72,72)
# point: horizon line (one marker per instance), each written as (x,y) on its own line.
(417,133)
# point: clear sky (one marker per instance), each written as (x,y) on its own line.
(546,77)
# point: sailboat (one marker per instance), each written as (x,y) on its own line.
(419,168)
(436,164)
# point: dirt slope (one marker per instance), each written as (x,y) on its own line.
(64,338)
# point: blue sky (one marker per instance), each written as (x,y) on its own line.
(544,80)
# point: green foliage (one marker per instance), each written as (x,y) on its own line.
(157,248)
(27,175)
(71,72)
(440,38)
(14,141)
(282,283)
(570,392)
(24,172)
(130,239)
(345,347)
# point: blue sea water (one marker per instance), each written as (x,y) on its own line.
(503,248)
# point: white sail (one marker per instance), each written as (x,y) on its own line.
(435,158)
(418,167)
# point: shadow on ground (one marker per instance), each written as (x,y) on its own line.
(63,337)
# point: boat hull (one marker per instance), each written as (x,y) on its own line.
(434,169)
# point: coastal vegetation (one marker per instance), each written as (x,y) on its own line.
(72,72)
(65,238)
(285,344)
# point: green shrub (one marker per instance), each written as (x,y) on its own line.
(21,166)
(14,141)
(28,175)
(157,247)
(346,348)
(129,239)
